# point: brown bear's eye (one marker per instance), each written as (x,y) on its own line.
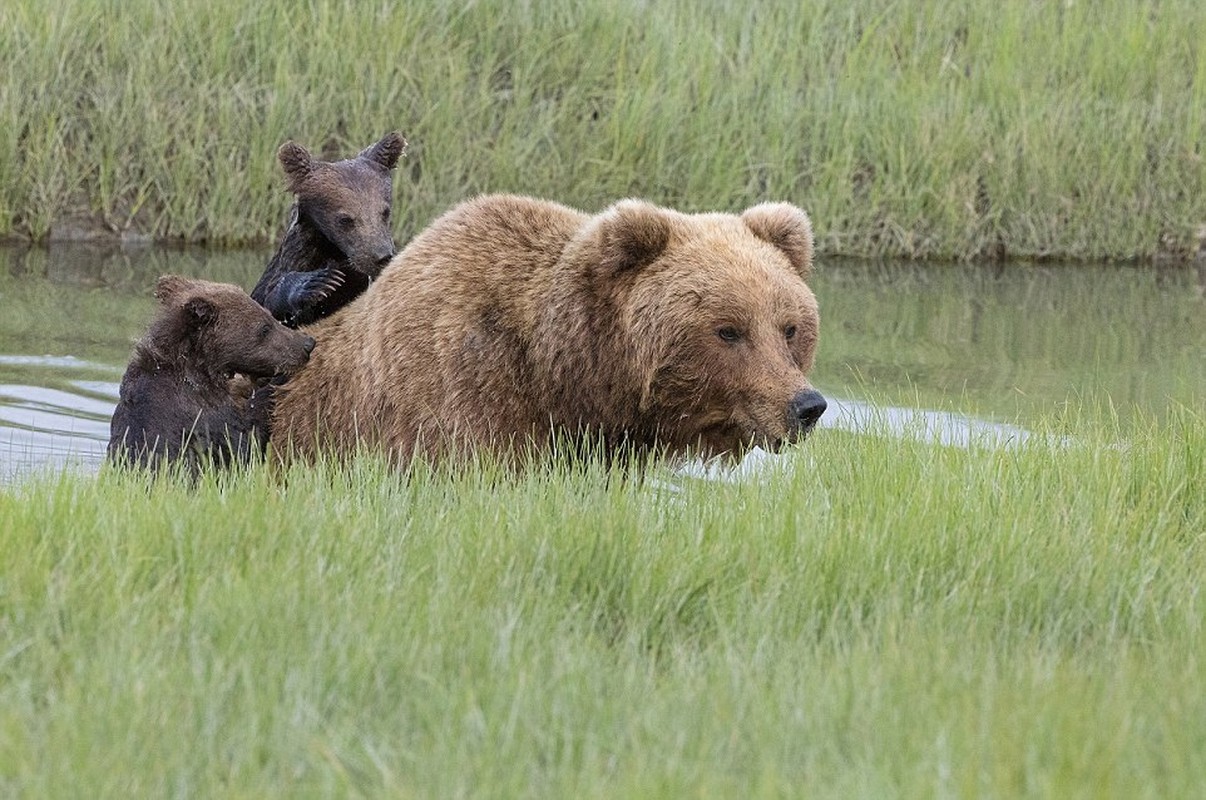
(789,332)
(264,331)
(728,334)
(385,215)
(347,223)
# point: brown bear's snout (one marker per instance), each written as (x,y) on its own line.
(805,409)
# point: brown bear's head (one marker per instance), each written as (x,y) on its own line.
(218,329)
(723,326)
(348,201)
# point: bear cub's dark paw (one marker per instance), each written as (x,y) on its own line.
(314,287)
(301,292)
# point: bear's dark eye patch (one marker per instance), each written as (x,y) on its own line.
(789,332)
(385,215)
(263,332)
(728,334)
(347,223)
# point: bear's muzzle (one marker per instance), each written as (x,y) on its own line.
(804,410)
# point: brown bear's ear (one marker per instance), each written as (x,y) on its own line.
(200,311)
(171,286)
(787,228)
(387,151)
(632,233)
(296,160)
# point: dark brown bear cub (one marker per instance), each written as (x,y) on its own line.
(339,234)
(187,395)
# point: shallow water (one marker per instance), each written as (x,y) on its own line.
(953,353)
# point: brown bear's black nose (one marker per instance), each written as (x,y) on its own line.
(308,344)
(806,408)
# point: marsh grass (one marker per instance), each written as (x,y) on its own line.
(907,129)
(873,617)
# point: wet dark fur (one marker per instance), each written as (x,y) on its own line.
(188,394)
(339,235)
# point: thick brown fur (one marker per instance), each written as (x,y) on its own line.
(512,322)
(188,393)
(339,234)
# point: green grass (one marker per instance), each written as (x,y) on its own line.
(879,618)
(912,129)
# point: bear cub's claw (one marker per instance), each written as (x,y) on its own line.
(296,295)
(320,284)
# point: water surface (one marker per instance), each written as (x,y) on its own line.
(960,353)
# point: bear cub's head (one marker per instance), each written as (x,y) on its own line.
(349,202)
(218,329)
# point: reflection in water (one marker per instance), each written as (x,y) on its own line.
(42,427)
(1015,343)
(1002,344)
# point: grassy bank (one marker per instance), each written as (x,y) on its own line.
(907,129)
(904,621)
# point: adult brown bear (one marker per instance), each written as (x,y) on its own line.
(511,322)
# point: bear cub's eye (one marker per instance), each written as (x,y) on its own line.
(789,332)
(728,334)
(385,215)
(265,329)
(347,223)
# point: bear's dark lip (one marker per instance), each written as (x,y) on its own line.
(773,445)
(778,444)
(738,437)
(793,437)
(288,371)
(754,435)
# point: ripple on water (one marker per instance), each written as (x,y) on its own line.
(62,425)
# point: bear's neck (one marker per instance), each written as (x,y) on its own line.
(303,248)
(562,369)
(306,241)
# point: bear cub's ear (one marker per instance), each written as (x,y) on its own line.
(296,161)
(633,234)
(200,311)
(787,228)
(171,287)
(176,290)
(387,151)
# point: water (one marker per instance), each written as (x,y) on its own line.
(952,353)
(69,316)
